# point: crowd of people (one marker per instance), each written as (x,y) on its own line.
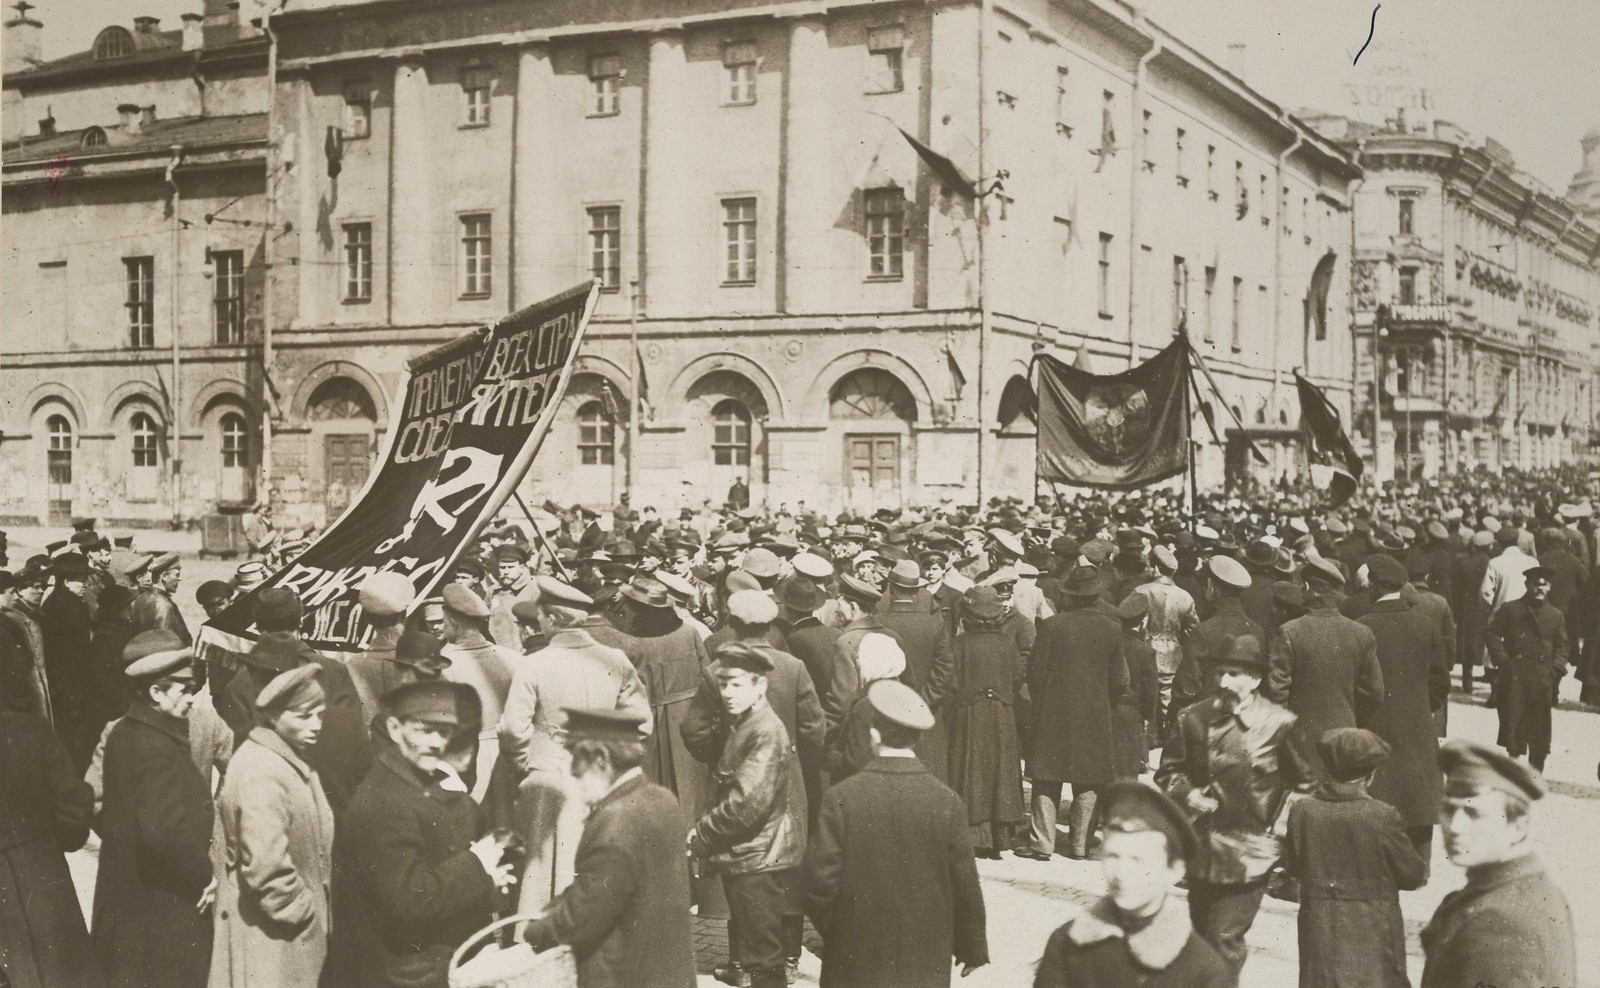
(605,724)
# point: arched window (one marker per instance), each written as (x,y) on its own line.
(730,434)
(597,435)
(871,393)
(340,398)
(145,451)
(58,452)
(235,441)
(94,137)
(113,42)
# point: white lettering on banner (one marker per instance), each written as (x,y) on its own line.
(481,469)
(503,404)
(422,439)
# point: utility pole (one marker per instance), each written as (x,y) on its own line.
(633,385)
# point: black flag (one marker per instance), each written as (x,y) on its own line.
(1326,443)
(1118,431)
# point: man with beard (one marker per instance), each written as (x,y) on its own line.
(1527,640)
(155,607)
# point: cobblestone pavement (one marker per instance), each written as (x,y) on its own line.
(1026,900)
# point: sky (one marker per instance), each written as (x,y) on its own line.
(1525,73)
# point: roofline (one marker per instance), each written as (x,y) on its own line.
(51,73)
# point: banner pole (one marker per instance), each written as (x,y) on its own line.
(1188,422)
(538,533)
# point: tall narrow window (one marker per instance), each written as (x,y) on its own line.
(1408,207)
(357,109)
(475,259)
(885,53)
(140,273)
(1104,291)
(357,262)
(605,85)
(227,295)
(1408,286)
(1180,293)
(739,241)
(597,435)
(739,74)
(58,452)
(605,246)
(146,450)
(1208,318)
(1265,324)
(1237,315)
(886,217)
(730,434)
(235,441)
(475,97)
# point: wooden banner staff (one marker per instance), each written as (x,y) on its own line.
(538,533)
(1195,356)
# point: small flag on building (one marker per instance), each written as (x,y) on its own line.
(1108,139)
(958,380)
(943,168)
(645,411)
(333,147)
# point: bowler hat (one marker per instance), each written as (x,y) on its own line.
(800,594)
(1242,652)
(645,591)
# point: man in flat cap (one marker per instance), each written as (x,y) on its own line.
(513,584)
(152,924)
(156,607)
(384,599)
(626,915)
(214,596)
(417,873)
(1510,924)
(1352,858)
(1138,934)
(1528,645)
(752,834)
(573,670)
(481,664)
(887,836)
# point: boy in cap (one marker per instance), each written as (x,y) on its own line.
(1352,857)
(626,915)
(1138,934)
(1510,924)
(889,836)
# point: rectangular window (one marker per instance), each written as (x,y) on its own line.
(739,241)
(605,85)
(475,255)
(885,57)
(886,242)
(1208,320)
(1237,328)
(141,305)
(1180,293)
(227,295)
(1105,276)
(605,246)
(1408,286)
(357,109)
(358,262)
(475,97)
(1408,207)
(739,69)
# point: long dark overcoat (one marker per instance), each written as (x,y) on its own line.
(155,830)
(1325,669)
(1353,858)
(68,633)
(887,837)
(1076,676)
(985,766)
(1137,714)
(926,640)
(44,812)
(1529,646)
(1415,681)
(626,913)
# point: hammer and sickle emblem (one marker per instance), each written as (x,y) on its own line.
(479,471)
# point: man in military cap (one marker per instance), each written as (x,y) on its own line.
(214,596)
(481,664)
(887,836)
(384,598)
(1138,934)
(1528,644)
(513,585)
(1225,579)
(626,915)
(155,607)
(1510,924)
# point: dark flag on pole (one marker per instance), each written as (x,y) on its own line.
(1117,431)
(1327,446)
(943,168)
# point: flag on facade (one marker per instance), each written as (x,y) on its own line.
(1327,445)
(1108,139)
(1117,431)
(958,380)
(473,414)
(1317,297)
(943,168)
(333,148)
(644,409)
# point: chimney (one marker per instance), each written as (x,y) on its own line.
(194,38)
(47,124)
(1236,59)
(147,116)
(131,122)
(221,13)
(24,39)
(146,25)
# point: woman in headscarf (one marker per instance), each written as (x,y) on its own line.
(985,763)
(273,908)
(878,657)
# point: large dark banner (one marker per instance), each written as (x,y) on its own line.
(1117,431)
(472,416)
(1327,445)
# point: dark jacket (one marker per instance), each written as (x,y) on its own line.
(752,826)
(1528,643)
(1353,858)
(626,913)
(155,828)
(887,837)
(79,717)
(1416,682)
(413,891)
(1226,621)
(930,671)
(984,760)
(812,643)
(44,812)
(1509,925)
(1325,669)
(1137,715)
(154,609)
(1092,950)
(1076,676)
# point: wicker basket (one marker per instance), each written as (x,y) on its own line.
(516,966)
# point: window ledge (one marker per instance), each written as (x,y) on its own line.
(1107,316)
(884,92)
(610,289)
(739,102)
(609,113)
(480,125)
(879,278)
(474,296)
(739,284)
(356,301)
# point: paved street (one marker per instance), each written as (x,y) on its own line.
(1026,900)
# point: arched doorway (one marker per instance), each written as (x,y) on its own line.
(1015,447)
(874,410)
(727,435)
(344,413)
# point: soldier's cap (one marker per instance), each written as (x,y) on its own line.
(1351,752)
(1291,594)
(470,565)
(52,548)
(743,657)
(421,649)
(1386,570)
(865,556)
(71,566)
(812,565)
(298,687)
(1228,571)
(387,594)
(681,589)
(156,666)
(1241,652)
(1007,541)
(212,591)
(511,552)
(602,724)
(800,594)
(752,607)
(1129,807)
(122,541)
(1333,526)
(459,600)
(1321,571)
(1482,540)
(558,592)
(276,606)
(1133,607)
(158,642)
(162,563)
(1544,573)
(740,580)
(266,541)
(1437,531)
(251,573)
(527,611)
(1166,560)
(1471,769)
(1027,571)
(731,542)
(906,575)
(1491,524)
(761,563)
(433,701)
(898,703)
(858,590)
(783,548)
(1298,526)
